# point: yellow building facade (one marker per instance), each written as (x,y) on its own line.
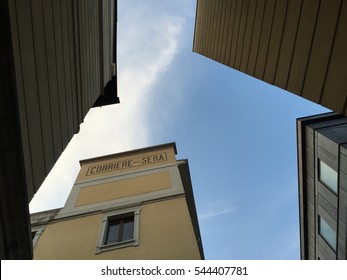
(133,205)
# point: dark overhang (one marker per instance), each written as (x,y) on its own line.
(109,95)
(54,64)
(15,238)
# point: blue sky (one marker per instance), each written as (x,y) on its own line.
(237,132)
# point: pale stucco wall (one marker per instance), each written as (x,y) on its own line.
(166,232)
(123,188)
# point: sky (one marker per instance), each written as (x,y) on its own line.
(238,133)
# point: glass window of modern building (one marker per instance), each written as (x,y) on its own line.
(328,234)
(328,176)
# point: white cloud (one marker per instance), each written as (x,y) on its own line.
(215,213)
(215,208)
(147,44)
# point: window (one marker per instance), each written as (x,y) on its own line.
(328,176)
(119,229)
(328,234)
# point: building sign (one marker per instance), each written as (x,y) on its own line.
(126,163)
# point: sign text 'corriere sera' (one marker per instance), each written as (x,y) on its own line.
(126,163)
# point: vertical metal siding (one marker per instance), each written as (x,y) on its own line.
(255,37)
(30,90)
(266,31)
(321,47)
(275,41)
(21,99)
(242,31)
(51,69)
(42,82)
(288,42)
(248,35)
(59,53)
(297,45)
(335,87)
(308,19)
(235,36)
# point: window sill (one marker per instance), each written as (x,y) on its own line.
(116,245)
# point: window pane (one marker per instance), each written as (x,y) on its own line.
(112,234)
(120,230)
(328,176)
(327,233)
(128,229)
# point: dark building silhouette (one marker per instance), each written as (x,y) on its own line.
(58,59)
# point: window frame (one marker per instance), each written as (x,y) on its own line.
(119,222)
(115,215)
(331,188)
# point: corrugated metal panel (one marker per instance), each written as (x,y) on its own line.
(29,94)
(258,19)
(335,87)
(62,63)
(322,44)
(287,43)
(298,45)
(309,13)
(248,34)
(275,41)
(265,36)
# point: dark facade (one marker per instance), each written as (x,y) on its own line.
(58,60)
(322,171)
(297,45)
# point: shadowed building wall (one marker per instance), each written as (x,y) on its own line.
(297,45)
(57,59)
(322,170)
